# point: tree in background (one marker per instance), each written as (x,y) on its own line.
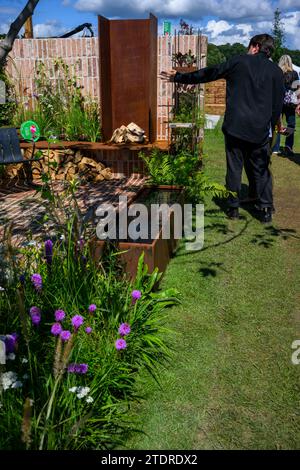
(230,50)
(279,35)
(214,55)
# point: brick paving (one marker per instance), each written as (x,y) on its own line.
(24,209)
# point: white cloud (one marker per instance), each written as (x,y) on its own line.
(222,32)
(215,28)
(288,4)
(190,9)
(49,29)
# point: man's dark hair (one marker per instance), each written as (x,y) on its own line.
(265,42)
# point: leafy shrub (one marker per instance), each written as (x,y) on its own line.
(73,390)
(181,169)
(59,107)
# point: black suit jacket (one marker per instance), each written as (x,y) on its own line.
(255,92)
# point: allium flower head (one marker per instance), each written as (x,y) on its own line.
(36,319)
(11,342)
(56,329)
(88,330)
(136,295)
(77,321)
(65,335)
(49,251)
(35,311)
(37,282)
(92,308)
(78,369)
(124,329)
(121,344)
(59,315)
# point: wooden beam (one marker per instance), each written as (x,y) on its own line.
(28,28)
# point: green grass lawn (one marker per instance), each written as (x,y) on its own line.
(231,383)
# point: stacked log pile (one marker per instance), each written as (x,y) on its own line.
(63,165)
(128,134)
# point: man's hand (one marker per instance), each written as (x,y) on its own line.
(298,110)
(168,76)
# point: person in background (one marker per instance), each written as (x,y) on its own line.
(290,103)
(254,99)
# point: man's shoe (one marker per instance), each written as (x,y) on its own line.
(233,213)
(266,215)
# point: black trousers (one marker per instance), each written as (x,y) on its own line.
(256,159)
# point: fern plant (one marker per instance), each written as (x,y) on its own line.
(182,169)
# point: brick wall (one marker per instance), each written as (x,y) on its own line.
(215,97)
(83,53)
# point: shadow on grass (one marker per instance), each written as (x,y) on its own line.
(271,235)
(211,269)
(294,159)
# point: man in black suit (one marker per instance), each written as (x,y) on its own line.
(255,92)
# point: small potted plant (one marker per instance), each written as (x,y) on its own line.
(185,62)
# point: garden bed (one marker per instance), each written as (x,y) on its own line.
(157,251)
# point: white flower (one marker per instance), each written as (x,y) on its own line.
(73,389)
(8,379)
(89,399)
(1,405)
(62,237)
(2,289)
(11,357)
(25,376)
(31,402)
(82,392)
(24,360)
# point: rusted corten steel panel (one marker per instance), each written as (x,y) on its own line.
(105,77)
(128,71)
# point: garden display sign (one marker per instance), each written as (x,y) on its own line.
(30,131)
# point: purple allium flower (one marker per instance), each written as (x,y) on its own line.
(136,295)
(72,368)
(35,311)
(83,368)
(59,315)
(92,308)
(65,335)
(88,330)
(56,329)
(121,344)
(37,282)
(124,329)
(36,319)
(77,321)
(78,368)
(11,342)
(48,251)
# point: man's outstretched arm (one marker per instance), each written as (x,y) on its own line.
(205,75)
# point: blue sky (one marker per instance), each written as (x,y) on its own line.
(221,20)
